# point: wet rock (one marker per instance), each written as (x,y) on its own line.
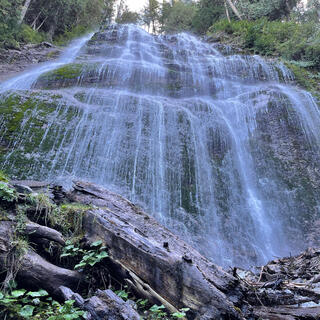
(106,305)
(14,61)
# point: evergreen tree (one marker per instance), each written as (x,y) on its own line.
(151,15)
(177,17)
(9,20)
(208,12)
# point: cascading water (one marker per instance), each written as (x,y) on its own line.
(175,125)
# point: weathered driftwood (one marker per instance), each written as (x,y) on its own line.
(285,289)
(287,313)
(37,231)
(155,261)
(29,267)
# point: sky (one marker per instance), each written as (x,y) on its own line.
(136,5)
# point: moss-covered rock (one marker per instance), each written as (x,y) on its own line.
(67,76)
(27,134)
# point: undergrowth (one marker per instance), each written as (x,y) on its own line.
(22,304)
(297,44)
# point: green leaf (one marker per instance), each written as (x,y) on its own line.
(179,314)
(142,302)
(8,300)
(184,309)
(40,293)
(26,311)
(18,293)
(102,255)
(1,295)
(156,308)
(65,255)
(80,265)
(96,243)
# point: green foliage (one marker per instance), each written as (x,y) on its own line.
(44,206)
(23,304)
(125,15)
(28,35)
(157,312)
(289,40)
(271,9)
(89,258)
(208,12)
(123,294)
(68,35)
(178,17)
(7,194)
(181,314)
(68,218)
(3,177)
(151,14)
(50,19)
(9,16)
(57,17)
(305,78)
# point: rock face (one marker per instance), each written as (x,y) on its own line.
(220,147)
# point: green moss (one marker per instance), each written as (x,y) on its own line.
(25,119)
(68,75)
(305,78)
(68,218)
(3,177)
(69,71)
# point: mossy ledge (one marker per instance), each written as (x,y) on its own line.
(66,76)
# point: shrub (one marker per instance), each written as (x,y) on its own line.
(7,194)
(289,40)
(23,304)
(28,35)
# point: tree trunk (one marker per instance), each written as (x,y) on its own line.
(234,9)
(24,10)
(227,11)
(155,262)
(28,266)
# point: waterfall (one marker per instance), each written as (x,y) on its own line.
(194,136)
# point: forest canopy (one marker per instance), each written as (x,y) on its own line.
(36,20)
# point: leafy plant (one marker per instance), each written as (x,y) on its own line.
(123,294)
(7,194)
(157,312)
(69,217)
(23,304)
(89,258)
(181,314)
(3,177)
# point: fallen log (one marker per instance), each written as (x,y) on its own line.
(287,313)
(29,267)
(156,260)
